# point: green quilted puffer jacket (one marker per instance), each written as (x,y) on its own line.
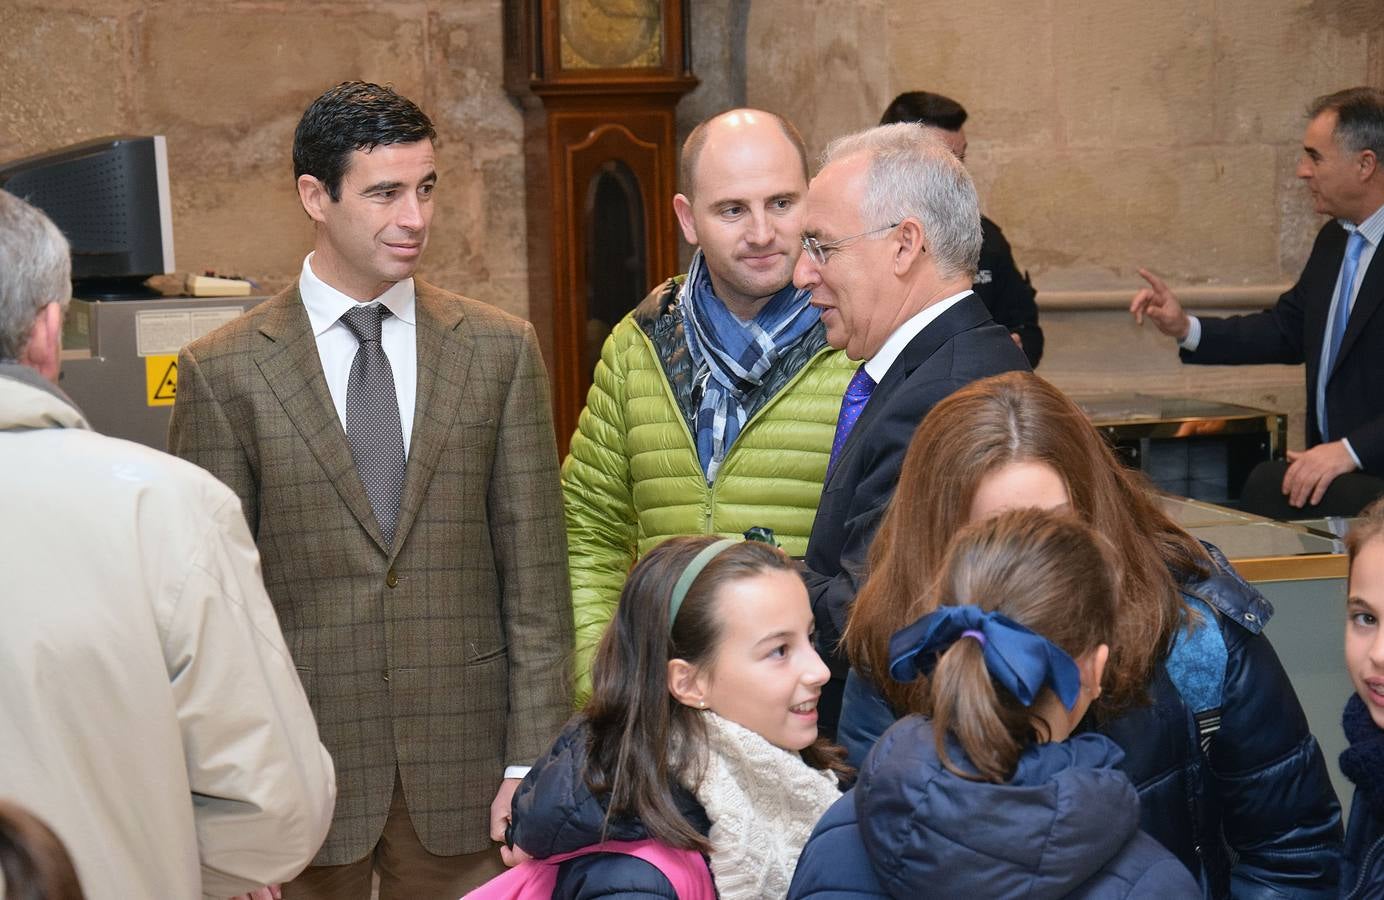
(632,478)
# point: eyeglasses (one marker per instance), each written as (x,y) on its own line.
(820,252)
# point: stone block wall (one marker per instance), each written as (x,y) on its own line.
(1103,136)
(226,82)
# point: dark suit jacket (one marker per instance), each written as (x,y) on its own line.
(446,654)
(962,345)
(1293,332)
(1007,292)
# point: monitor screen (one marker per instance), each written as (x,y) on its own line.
(110,198)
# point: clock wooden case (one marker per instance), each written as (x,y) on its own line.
(599,81)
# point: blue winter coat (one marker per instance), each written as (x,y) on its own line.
(554,813)
(1256,816)
(1066,825)
(1362,876)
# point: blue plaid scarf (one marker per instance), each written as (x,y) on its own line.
(731,357)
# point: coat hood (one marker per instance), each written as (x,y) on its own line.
(555,812)
(28,401)
(1066,812)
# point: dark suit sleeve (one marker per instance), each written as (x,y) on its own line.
(831,595)
(1276,335)
(1009,295)
(1368,443)
(1272,336)
(200,433)
(880,465)
(526,530)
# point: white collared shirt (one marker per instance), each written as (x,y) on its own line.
(879,365)
(336,345)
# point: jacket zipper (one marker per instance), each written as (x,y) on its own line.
(710,505)
(1364,870)
(763,410)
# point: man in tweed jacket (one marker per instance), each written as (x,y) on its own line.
(435,659)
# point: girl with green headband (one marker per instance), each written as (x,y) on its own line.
(700,734)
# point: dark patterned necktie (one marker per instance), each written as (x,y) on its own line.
(372,419)
(852,404)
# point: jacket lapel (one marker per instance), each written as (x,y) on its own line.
(968,313)
(445,350)
(291,366)
(1365,305)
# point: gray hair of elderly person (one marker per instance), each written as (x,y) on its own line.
(35,270)
(913,174)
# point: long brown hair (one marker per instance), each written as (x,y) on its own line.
(1048,572)
(1019,417)
(33,861)
(642,739)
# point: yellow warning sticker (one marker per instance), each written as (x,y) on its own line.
(161,379)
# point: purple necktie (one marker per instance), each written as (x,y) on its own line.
(852,404)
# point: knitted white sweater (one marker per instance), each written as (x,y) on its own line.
(763,802)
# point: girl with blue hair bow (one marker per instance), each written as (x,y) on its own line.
(989,794)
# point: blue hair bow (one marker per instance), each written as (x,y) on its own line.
(1021,661)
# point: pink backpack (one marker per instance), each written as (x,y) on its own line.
(686,870)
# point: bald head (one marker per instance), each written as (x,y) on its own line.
(744,179)
(734,127)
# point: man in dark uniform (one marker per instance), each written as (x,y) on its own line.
(1006,292)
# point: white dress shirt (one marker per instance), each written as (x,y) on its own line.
(336,345)
(879,365)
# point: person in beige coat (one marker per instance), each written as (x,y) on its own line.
(150,712)
(392,445)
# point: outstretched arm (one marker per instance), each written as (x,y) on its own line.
(1158,302)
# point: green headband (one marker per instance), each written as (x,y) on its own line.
(689,575)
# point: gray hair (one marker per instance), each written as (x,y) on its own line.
(35,270)
(1359,118)
(912,173)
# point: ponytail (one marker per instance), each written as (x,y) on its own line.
(991,726)
(1017,599)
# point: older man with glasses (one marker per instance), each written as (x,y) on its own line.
(891,238)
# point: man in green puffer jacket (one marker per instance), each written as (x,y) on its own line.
(714,403)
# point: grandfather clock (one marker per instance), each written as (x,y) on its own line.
(599,81)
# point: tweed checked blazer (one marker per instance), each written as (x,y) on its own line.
(446,654)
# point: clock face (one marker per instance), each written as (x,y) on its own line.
(612,34)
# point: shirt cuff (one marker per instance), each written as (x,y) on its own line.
(521,771)
(1193,338)
(1351,451)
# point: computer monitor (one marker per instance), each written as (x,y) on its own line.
(110,198)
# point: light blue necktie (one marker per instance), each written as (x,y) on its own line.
(1340,318)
